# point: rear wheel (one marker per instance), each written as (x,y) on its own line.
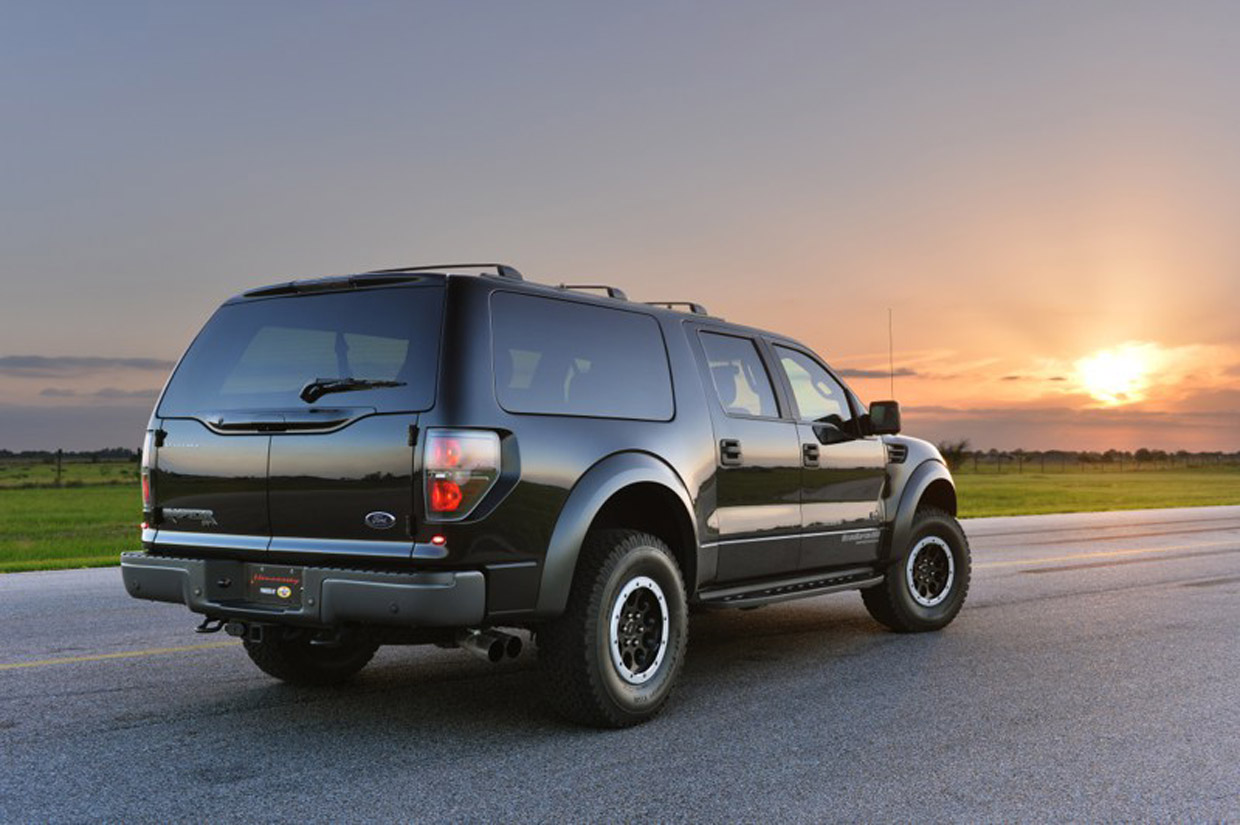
(927,584)
(611,659)
(293,658)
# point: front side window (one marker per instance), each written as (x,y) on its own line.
(559,357)
(818,395)
(740,379)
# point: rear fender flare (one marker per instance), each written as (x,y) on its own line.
(602,481)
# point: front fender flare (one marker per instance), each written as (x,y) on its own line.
(927,473)
(606,478)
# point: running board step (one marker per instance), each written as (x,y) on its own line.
(752,595)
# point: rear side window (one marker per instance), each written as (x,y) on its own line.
(740,379)
(565,358)
(259,354)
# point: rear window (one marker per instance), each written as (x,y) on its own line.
(565,358)
(259,354)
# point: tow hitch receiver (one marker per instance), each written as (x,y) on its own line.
(247,632)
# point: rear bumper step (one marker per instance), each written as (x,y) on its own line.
(329,596)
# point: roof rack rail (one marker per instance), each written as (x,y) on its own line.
(612,291)
(696,309)
(502,270)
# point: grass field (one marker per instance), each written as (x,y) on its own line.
(88,526)
(70,527)
(985,494)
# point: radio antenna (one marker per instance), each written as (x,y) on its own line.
(891,355)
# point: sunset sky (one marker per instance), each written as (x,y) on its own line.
(1045,195)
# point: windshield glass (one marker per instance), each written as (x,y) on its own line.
(260,354)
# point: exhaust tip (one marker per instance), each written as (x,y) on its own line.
(492,645)
(512,647)
(495,651)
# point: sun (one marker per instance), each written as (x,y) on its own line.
(1116,376)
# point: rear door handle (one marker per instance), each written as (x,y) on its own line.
(730,452)
(809,455)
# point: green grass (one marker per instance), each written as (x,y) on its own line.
(45,529)
(1011,493)
(70,527)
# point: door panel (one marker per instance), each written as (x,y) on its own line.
(206,484)
(843,479)
(839,502)
(323,486)
(758,480)
(759,508)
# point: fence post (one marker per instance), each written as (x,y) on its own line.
(59,455)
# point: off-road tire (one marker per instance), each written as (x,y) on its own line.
(584,681)
(894,604)
(294,660)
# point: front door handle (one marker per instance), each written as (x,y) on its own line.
(730,452)
(809,455)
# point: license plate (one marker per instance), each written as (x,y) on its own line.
(271,585)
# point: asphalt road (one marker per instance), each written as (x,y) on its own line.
(1093,675)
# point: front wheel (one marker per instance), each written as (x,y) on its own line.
(926,586)
(611,659)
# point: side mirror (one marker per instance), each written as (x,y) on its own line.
(885,417)
(830,434)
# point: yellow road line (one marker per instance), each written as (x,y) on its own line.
(127,654)
(1105,554)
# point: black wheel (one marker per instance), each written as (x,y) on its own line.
(928,581)
(292,658)
(612,658)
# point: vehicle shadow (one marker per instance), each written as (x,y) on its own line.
(427,691)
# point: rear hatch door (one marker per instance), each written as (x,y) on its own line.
(292,472)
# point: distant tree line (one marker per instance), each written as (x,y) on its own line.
(50,456)
(960,456)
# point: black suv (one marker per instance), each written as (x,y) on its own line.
(427,455)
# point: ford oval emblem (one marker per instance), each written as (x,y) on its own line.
(380,520)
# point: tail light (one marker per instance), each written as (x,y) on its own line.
(460,467)
(148,460)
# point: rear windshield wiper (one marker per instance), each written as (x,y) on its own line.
(320,387)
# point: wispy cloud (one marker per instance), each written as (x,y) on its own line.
(858,373)
(71,366)
(106,392)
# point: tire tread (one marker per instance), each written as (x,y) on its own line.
(883,601)
(565,645)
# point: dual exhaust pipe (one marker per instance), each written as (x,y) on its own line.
(492,645)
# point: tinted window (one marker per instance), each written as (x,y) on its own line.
(739,376)
(818,395)
(259,354)
(566,358)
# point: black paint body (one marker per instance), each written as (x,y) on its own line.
(294,484)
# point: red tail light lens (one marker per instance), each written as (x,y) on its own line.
(460,466)
(445,495)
